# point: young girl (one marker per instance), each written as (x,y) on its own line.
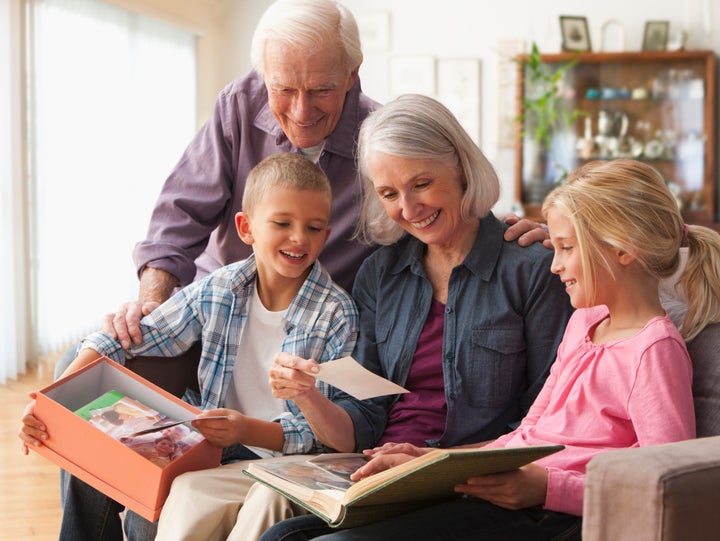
(622,377)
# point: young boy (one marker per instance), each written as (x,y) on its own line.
(278,299)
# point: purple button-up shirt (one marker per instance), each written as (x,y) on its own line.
(192,229)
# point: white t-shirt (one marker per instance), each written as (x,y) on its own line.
(312,153)
(249,391)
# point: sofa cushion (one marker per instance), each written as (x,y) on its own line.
(705,354)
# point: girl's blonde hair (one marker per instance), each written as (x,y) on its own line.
(625,204)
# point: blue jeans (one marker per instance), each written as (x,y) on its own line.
(89,515)
(455,520)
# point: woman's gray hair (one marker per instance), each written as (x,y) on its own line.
(307,24)
(416,126)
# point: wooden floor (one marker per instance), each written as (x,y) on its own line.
(29,485)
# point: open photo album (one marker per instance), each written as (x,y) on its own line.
(322,484)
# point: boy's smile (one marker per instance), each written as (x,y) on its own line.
(287,229)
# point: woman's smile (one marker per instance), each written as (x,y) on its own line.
(426,222)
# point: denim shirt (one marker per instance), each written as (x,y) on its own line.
(192,229)
(504,319)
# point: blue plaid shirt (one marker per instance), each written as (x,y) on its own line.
(321,323)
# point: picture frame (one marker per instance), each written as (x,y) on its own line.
(656,34)
(575,33)
(412,74)
(374,28)
(458,88)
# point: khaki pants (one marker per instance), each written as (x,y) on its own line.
(222,504)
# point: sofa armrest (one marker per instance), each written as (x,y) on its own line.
(665,492)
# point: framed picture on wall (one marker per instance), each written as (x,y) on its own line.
(374,27)
(656,35)
(458,88)
(575,33)
(412,73)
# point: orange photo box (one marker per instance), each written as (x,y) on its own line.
(98,459)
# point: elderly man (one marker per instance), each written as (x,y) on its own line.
(303,95)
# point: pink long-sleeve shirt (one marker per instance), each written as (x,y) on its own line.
(632,392)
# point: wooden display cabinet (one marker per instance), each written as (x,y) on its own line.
(655,106)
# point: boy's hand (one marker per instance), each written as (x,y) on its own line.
(221,432)
(525,231)
(290,377)
(513,490)
(33,432)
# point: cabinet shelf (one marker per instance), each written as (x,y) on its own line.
(665,115)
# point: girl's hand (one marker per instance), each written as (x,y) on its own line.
(221,432)
(33,431)
(290,377)
(513,490)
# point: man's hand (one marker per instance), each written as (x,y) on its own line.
(517,489)
(525,231)
(124,325)
(156,286)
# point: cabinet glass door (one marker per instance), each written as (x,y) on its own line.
(656,107)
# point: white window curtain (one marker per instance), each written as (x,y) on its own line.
(14,313)
(111,105)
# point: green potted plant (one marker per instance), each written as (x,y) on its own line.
(544,119)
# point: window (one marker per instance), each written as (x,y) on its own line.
(111,105)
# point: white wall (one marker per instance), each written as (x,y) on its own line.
(473,29)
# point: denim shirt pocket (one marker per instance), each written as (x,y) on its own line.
(497,365)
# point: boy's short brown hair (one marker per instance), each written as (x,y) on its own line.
(284,170)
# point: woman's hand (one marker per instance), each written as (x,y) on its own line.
(221,432)
(387,456)
(401,448)
(33,431)
(380,463)
(290,377)
(513,490)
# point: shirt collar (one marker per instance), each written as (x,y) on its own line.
(317,285)
(481,260)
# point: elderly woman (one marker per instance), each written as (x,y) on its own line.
(467,322)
